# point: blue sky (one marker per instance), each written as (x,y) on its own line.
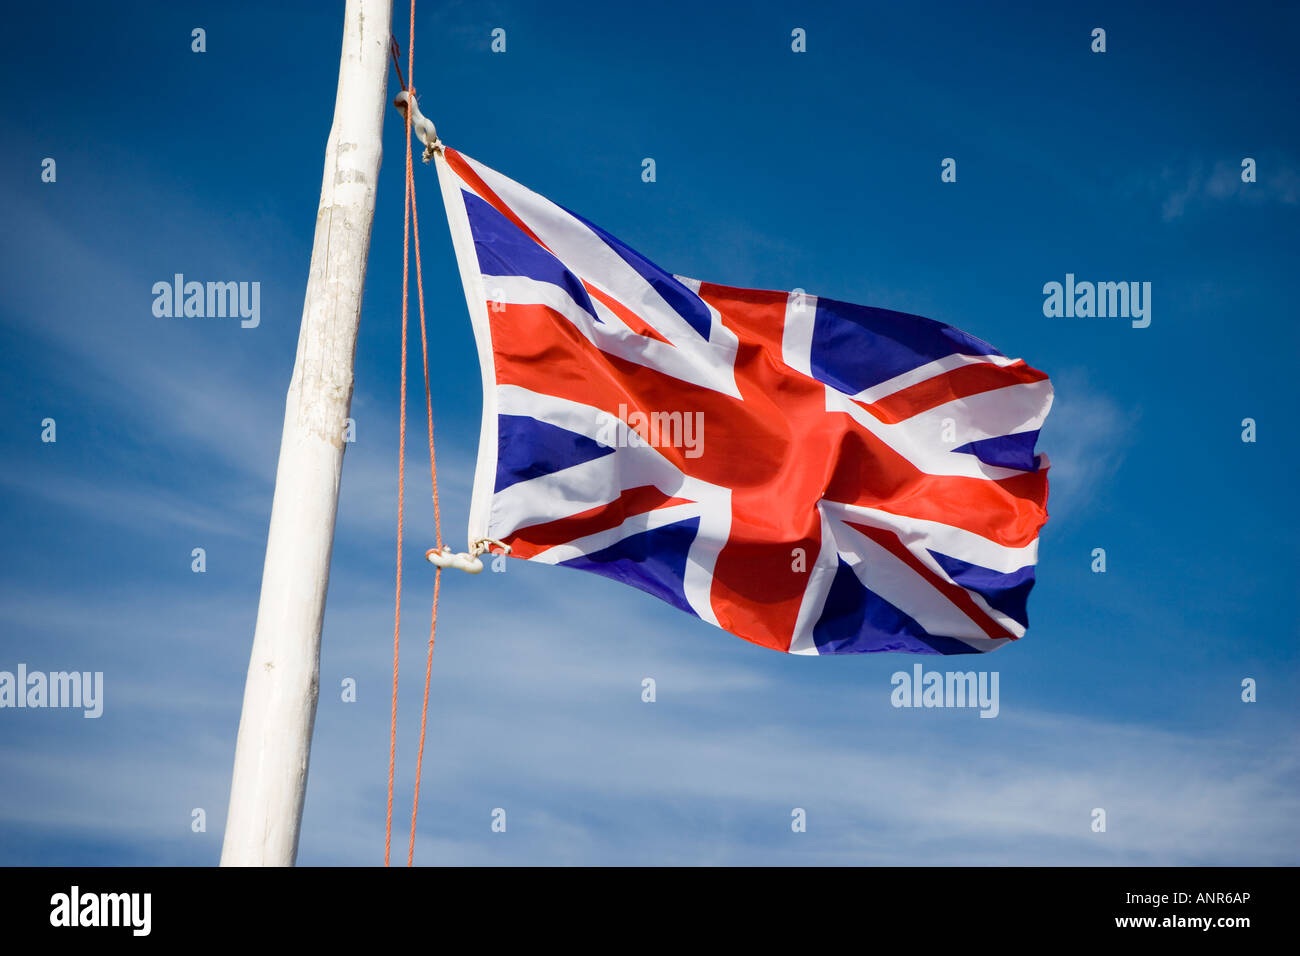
(817,170)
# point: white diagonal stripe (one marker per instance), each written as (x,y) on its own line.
(881,572)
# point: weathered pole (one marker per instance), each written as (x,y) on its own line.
(275,727)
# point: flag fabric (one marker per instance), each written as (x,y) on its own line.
(812,476)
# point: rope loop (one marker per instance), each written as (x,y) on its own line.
(484,546)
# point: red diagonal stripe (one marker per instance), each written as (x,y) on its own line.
(630,318)
(960,382)
(527,542)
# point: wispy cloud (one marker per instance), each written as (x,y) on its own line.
(1086,437)
(542,717)
(1202,185)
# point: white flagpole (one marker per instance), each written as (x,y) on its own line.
(275,727)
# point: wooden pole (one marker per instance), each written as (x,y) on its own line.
(275,727)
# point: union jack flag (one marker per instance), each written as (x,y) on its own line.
(812,476)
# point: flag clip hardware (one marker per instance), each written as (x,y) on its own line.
(468,562)
(421,124)
(446,558)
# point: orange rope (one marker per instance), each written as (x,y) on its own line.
(401,460)
(433,478)
(411,229)
(437,523)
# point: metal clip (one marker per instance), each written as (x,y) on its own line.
(446,558)
(421,125)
